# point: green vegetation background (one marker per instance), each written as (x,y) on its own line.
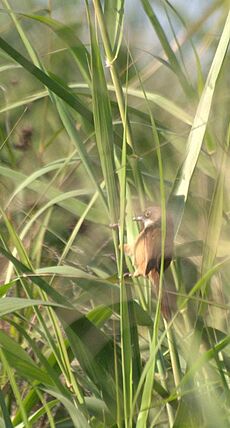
(108,107)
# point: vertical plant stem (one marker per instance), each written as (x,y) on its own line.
(15,389)
(173,356)
(162,373)
(125,328)
(112,66)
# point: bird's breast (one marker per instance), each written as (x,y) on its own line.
(140,255)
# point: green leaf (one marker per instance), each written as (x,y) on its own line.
(19,359)
(216,213)
(5,414)
(114,17)
(166,46)
(69,36)
(99,315)
(58,298)
(16,241)
(71,204)
(103,126)
(78,418)
(100,289)
(95,353)
(180,192)
(6,287)
(13,304)
(51,83)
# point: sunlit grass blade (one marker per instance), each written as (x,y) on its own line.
(159,100)
(195,139)
(164,103)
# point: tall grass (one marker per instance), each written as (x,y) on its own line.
(107,109)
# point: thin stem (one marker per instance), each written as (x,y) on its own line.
(113,70)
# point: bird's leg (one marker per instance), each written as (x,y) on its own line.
(129,251)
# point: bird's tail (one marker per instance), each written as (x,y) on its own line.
(165,305)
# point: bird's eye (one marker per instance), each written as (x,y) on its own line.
(147,213)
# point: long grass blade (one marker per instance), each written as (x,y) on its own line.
(52,84)
(195,139)
(166,46)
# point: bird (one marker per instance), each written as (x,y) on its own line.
(147,250)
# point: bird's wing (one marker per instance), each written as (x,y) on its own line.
(153,247)
(152,236)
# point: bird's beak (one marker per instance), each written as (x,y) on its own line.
(138,218)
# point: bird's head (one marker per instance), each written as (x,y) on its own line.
(149,216)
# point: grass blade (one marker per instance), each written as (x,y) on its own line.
(166,46)
(52,84)
(103,125)
(195,139)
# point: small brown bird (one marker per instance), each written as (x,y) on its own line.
(147,250)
